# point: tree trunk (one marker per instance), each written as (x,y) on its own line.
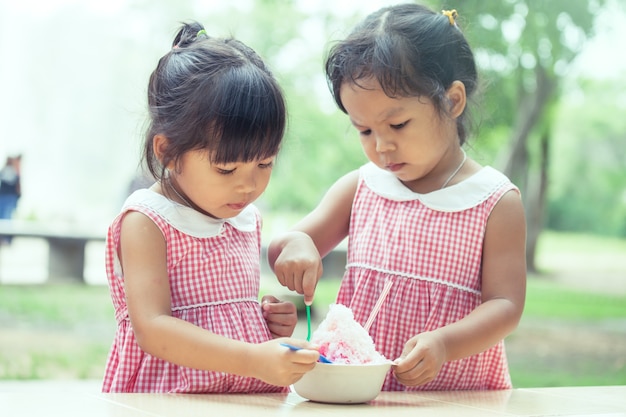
(531,111)
(536,201)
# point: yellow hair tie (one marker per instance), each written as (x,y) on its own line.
(452,15)
(201,32)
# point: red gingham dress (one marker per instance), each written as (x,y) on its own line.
(214,272)
(429,246)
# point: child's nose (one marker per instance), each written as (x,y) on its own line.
(248,183)
(383,145)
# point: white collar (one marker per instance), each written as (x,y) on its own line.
(461,196)
(188,220)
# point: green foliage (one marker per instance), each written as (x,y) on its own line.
(589,188)
(512,38)
(317,151)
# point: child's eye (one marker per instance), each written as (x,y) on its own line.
(399,126)
(266,165)
(225,171)
(365,132)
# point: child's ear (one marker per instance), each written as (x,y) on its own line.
(160,143)
(457,98)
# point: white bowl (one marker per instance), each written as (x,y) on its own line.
(342,384)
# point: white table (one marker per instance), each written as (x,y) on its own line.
(56,399)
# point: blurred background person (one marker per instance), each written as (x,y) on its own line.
(10,189)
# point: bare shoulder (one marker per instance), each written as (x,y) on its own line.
(138,224)
(506,226)
(140,235)
(509,208)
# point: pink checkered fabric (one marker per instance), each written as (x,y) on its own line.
(433,257)
(214,284)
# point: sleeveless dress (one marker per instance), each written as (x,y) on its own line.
(427,248)
(214,273)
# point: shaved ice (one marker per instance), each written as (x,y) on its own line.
(343,340)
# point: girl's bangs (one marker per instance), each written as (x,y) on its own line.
(249,121)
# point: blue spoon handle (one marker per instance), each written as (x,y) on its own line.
(323,358)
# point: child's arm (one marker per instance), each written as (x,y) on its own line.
(143,258)
(296,256)
(503,295)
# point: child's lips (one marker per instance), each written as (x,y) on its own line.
(394,167)
(237,206)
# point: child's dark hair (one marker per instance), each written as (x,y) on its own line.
(411,51)
(215,94)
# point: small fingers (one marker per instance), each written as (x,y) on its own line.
(417,376)
(287,280)
(415,370)
(303,356)
(269,299)
(309,283)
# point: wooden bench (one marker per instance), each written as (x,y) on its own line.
(66,244)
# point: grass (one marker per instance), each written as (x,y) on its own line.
(54,331)
(574,252)
(85,361)
(546,299)
(58,305)
(64,331)
(533,377)
(568,337)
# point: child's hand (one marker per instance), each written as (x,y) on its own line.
(421,360)
(281,316)
(299,267)
(280,365)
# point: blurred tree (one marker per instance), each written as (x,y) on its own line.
(589,187)
(523,49)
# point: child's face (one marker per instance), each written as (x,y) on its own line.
(222,190)
(405,136)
